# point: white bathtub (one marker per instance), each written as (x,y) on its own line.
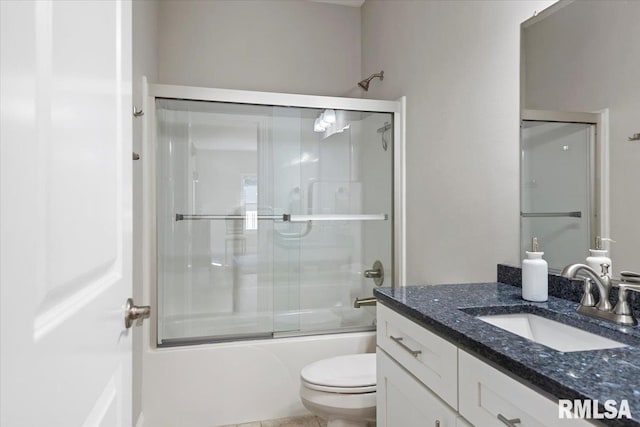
(231,383)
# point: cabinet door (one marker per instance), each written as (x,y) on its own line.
(428,357)
(403,401)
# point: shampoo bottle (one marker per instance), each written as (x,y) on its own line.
(599,256)
(535,275)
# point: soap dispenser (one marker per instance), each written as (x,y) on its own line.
(535,275)
(599,256)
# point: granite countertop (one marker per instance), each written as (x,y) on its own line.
(450,310)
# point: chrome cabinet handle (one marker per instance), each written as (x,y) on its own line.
(398,340)
(135,312)
(509,422)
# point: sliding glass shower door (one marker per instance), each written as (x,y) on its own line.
(267,218)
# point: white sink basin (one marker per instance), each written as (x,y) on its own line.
(550,333)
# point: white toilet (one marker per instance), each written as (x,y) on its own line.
(341,390)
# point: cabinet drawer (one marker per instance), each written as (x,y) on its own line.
(486,393)
(403,401)
(431,359)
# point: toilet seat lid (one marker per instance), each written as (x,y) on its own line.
(350,371)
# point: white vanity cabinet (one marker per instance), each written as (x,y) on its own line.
(403,401)
(424,380)
(486,395)
(430,358)
(417,375)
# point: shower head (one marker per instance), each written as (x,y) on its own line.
(364,84)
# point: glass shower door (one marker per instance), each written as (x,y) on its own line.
(208,222)
(266,221)
(340,185)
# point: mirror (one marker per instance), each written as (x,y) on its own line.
(580,89)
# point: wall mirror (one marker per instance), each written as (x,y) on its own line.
(580,120)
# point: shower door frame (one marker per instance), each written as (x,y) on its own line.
(148,159)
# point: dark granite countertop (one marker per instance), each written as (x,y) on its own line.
(612,374)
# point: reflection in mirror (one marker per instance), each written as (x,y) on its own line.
(583,57)
(556,188)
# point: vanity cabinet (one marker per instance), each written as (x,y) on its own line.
(403,401)
(417,375)
(424,380)
(487,394)
(430,358)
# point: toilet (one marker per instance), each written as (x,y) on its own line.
(341,390)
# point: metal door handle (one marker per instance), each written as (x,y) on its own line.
(135,312)
(398,340)
(509,422)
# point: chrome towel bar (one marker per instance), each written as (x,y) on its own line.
(574,214)
(286,217)
(187,217)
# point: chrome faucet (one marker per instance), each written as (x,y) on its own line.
(603,282)
(621,313)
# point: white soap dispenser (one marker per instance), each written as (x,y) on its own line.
(535,275)
(599,256)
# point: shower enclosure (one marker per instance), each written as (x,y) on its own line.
(269,208)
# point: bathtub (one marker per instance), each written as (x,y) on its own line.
(236,382)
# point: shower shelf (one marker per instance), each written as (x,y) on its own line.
(287,217)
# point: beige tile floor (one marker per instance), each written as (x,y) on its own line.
(305,421)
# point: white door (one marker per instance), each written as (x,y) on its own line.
(65,213)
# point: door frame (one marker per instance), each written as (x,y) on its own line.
(152,91)
(600,192)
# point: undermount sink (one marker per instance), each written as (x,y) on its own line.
(550,333)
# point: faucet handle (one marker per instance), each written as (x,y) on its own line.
(587,297)
(622,308)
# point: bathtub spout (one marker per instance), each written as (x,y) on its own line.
(359,302)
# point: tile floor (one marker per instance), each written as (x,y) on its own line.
(305,421)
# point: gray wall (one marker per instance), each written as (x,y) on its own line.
(266,45)
(586,57)
(458,64)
